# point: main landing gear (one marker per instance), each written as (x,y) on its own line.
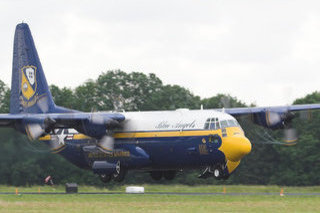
(118,176)
(216,171)
(158,175)
(120,173)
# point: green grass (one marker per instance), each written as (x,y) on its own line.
(161,203)
(172,188)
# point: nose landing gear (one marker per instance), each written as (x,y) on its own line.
(217,171)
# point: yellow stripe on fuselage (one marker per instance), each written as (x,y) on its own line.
(154,134)
(182,133)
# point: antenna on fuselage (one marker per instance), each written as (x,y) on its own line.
(201,107)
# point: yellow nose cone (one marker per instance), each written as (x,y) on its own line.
(235,147)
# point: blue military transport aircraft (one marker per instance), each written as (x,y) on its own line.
(111,143)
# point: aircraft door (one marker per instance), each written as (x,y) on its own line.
(214,142)
(209,144)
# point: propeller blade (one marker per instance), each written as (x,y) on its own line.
(43,104)
(97,119)
(100,120)
(274,118)
(225,101)
(35,131)
(290,136)
(106,144)
(305,115)
(56,142)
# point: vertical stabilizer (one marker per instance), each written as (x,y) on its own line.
(29,88)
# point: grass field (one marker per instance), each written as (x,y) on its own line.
(162,203)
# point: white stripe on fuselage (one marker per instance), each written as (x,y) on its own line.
(181,119)
(177,120)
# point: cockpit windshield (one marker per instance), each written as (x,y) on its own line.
(214,124)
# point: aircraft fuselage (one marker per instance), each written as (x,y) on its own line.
(161,141)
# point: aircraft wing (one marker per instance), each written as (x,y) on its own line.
(8,120)
(271,117)
(277,109)
(66,120)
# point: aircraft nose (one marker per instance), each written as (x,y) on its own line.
(244,146)
(235,148)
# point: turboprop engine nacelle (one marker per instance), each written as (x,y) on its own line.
(272,120)
(97,126)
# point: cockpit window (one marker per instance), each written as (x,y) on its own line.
(229,123)
(207,124)
(232,123)
(212,123)
(224,124)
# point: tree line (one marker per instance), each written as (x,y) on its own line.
(27,163)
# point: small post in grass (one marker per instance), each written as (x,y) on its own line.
(281,192)
(224,190)
(17,192)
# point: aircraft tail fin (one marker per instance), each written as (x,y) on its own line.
(29,89)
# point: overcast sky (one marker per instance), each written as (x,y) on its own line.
(263,52)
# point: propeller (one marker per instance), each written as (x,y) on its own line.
(57,142)
(290,136)
(283,121)
(275,121)
(274,118)
(290,133)
(37,129)
(106,142)
(225,101)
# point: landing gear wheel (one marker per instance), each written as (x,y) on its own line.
(156,175)
(120,173)
(169,175)
(105,178)
(217,173)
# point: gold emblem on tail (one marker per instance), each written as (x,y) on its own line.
(28,81)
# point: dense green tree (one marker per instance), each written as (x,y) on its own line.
(63,97)
(85,102)
(4,98)
(221,101)
(300,164)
